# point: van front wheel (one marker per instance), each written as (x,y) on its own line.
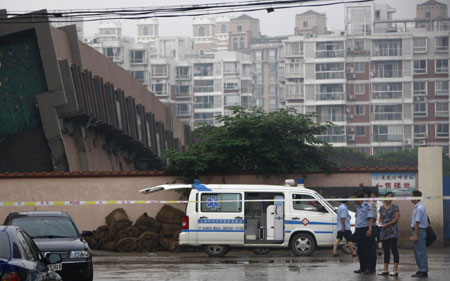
(303,244)
(216,250)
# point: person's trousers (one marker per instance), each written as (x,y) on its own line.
(367,251)
(388,246)
(420,250)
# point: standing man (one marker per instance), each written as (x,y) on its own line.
(419,235)
(364,236)
(343,228)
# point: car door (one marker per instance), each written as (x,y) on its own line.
(221,222)
(31,258)
(308,213)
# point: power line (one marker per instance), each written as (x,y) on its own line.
(74,15)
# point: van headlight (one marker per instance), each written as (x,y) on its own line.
(79,254)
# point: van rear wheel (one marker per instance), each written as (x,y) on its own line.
(216,250)
(303,244)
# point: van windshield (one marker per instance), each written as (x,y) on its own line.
(325,201)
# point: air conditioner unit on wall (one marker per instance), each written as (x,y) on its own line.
(407,141)
(422,142)
(351,138)
(352,97)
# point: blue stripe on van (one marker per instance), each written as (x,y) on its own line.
(316,232)
(224,221)
(210,230)
(311,222)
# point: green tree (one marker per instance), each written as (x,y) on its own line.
(251,141)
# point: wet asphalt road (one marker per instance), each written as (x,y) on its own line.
(245,265)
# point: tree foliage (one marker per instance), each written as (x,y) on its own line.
(251,141)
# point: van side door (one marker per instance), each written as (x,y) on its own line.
(311,215)
(221,222)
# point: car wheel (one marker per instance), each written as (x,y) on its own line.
(261,251)
(346,249)
(216,250)
(303,244)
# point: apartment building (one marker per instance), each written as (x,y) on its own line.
(384,84)
(310,22)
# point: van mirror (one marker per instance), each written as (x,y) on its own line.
(322,209)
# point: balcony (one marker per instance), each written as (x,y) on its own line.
(330,54)
(333,139)
(386,116)
(203,89)
(383,73)
(335,96)
(381,95)
(386,52)
(387,138)
(331,118)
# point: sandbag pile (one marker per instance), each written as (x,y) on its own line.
(146,235)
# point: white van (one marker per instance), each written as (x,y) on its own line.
(256,216)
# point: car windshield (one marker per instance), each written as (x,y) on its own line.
(47,227)
(5,252)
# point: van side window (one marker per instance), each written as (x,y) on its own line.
(312,206)
(211,202)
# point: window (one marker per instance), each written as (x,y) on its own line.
(201,53)
(211,203)
(183,90)
(312,206)
(204,102)
(387,112)
(183,72)
(259,55)
(330,71)
(330,92)
(441,88)
(235,43)
(272,54)
(427,15)
(359,109)
(159,70)
(231,100)
(203,69)
(360,130)
(223,28)
(377,14)
(159,89)
(203,86)
(273,79)
(387,133)
(360,89)
(442,130)
(420,45)
(387,47)
(241,43)
(272,91)
(442,66)
(305,24)
(273,104)
(420,131)
(330,49)
(201,31)
(420,88)
(259,79)
(239,28)
(258,67)
(420,67)
(441,44)
(420,109)
(442,109)
(145,31)
(273,67)
(137,56)
(246,86)
(360,67)
(140,75)
(259,91)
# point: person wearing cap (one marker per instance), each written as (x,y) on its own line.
(364,237)
(419,226)
(343,228)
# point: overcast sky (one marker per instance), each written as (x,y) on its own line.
(280,22)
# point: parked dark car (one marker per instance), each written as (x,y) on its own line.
(56,232)
(20,258)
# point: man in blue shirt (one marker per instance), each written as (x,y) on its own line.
(343,228)
(364,236)
(419,224)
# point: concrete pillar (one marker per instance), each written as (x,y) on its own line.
(430,184)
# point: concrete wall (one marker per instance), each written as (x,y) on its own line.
(85,188)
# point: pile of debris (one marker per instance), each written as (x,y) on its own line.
(147,234)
